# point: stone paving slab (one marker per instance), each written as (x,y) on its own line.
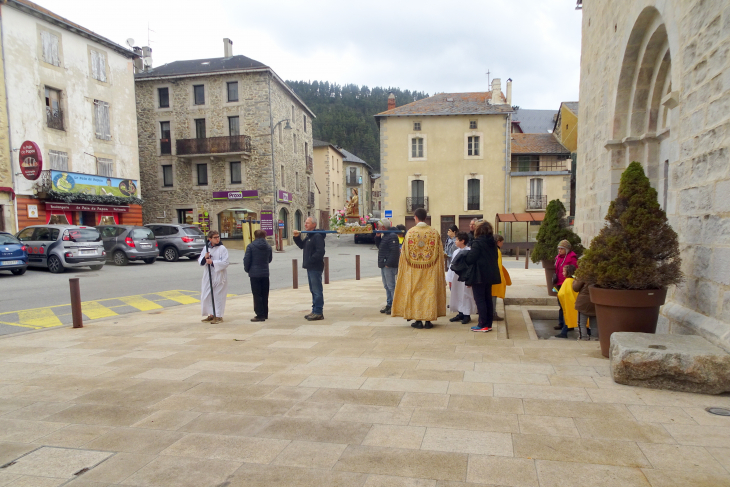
(358,399)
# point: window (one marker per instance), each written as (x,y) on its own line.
(98,65)
(165,143)
(417,126)
(473,145)
(296,180)
(233,128)
(49,44)
(167,175)
(305,122)
(472,124)
(199,94)
(199,128)
(101,120)
(58,159)
(163,97)
(202,174)
(236,173)
(306,149)
(294,138)
(104,167)
(536,187)
(417,194)
(417,147)
(473,196)
(283,179)
(527,163)
(183,216)
(54,115)
(232,88)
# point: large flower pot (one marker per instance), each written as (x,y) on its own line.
(625,310)
(549,266)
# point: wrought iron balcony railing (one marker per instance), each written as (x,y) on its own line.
(352,180)
(54,118)
(310,165)
(213,145)
(310,199)
(472,203)
(165,146)
(414,203)
(536,202)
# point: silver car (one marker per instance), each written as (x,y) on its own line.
(59,247)
(178,240)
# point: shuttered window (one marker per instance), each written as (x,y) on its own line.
(104,167)
(58,159)
(98,65)
(101,120)
(49,43)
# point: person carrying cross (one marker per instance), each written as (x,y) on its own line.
(313,261)
(214,259)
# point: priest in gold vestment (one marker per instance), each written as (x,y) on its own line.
(420,290)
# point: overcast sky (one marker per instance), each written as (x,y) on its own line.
(431,46)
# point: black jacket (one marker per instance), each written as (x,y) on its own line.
(257,258)
(471,239)
(313,255)
(388,250)
(483,255)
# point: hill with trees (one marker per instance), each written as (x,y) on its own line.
(345,114)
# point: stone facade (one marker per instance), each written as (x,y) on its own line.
(263,102)
(655,88)
(7,213)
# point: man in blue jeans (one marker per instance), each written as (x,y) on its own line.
(313,261)
(388,257)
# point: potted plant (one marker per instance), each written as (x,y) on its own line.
(632,260)
(553,229)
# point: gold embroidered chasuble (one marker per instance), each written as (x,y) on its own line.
(420,289)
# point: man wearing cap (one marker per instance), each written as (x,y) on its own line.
(565,257)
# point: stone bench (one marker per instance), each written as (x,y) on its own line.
(687,363)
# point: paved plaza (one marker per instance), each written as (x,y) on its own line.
(158,398)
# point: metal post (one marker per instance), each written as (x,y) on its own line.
(518,254)
(78,319)
(527,258)
(280,247)
(357,267)
(295,274)
(326,270)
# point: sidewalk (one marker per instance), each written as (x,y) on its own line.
(360,399)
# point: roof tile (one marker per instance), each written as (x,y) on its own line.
(449,104)
(537,144)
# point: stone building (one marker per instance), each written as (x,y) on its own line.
(207,128)
(358,176)
(655,88)
(377,196)
(329,180)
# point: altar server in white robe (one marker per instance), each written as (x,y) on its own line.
(462,298)
(215,261)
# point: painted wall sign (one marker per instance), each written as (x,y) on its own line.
(267,222)
(31,160)
(73,182)
(235,195)
(285,197)
(77,207)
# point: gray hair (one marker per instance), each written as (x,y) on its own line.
(385,223)
(313,220)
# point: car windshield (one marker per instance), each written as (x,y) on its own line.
(84,234)
(8,240)
(193,231)
(142,233)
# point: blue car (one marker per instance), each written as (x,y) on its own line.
(13,255)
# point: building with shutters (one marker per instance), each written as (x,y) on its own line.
(70,92)
(329,181)
(358,177)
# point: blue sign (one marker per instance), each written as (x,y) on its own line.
(388,213)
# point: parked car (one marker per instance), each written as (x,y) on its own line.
(59,247)
(128,242)
(13,254)
(178,240)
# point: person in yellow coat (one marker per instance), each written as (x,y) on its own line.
(567,298)
(499,290)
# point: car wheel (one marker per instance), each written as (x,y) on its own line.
(151,260)
(55,265)
(18,272)
(120,258)
(96,267)
(170,254)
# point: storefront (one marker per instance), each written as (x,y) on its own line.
(236,223)
(81,214)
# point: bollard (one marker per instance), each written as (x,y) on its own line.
(294,274)
(357,267)
(78,319)
(518,254)
(326,270)
(527,257)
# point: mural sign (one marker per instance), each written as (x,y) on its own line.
(31,160)
(72,182)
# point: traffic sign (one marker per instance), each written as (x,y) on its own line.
(281,224)
(388,213)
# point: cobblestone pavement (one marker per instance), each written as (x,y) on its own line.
(157,398)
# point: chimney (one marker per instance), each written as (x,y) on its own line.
(147,55)
(391,100)
(497,92)
(227,47)
(509,91)
(138,61)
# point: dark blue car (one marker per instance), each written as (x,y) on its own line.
(13,254)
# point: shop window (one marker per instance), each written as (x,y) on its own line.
(236,173)
(184,216)
(229,223)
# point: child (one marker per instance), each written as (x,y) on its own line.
(567,298)
(586,310)
(462,297)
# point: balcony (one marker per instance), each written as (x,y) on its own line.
(472,203)
(536,202)
(310,199)
(54,118)
(232,144)
(310,165)
(352,180)
(414,203)
(165,147)
(533,164)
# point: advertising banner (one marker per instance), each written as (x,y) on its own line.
(72,182)
(235,195)
(285,197)
(267,222)
(31,160)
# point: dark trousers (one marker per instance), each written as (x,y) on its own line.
(483,298)
(260,290)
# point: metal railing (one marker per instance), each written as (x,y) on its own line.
(54,118)
(352,180)
(165,146)
(414,203)
(535,165)
(310,164)
(472,203)
(310,199)
(213,145)
(44,183)
(536,202)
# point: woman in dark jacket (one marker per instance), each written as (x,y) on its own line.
(256,263)
(483,256)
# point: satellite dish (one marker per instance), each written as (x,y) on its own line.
(130,42)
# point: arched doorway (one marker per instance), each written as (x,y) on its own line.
(284,217)
(298,220)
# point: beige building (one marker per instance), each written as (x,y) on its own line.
(654,89)
(358,177)
(7,190)
(377,196)
(448,154)
(329,180)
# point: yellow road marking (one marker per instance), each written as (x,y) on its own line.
(38,318)
(94,310)
(18,324)
(178,296)
(142,304)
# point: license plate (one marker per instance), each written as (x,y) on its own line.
(145,246)
(87,252)
(11,262)
(198,240)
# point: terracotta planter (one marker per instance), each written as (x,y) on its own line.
(625,310)
(549,267)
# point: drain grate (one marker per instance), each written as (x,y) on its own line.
(55,462)
(718,411)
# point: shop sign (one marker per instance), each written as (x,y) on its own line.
(285,197)
(32,211)
(31,160)
(73,182)
(235,195)
(75,207)
(267,222)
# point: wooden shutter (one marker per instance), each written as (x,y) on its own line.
(49,44)
(104,167)
(101,120)
(59,160)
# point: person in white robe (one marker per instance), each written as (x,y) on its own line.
(215,262)
(462,298)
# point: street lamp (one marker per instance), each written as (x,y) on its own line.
(273,173)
